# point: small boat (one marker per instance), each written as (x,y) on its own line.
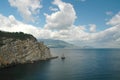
(63,57)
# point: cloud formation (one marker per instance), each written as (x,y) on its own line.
(60,25)
(109,13)
(115,20)
(27,8)
(62,19)
(53,9)
(12,25)
(92,27)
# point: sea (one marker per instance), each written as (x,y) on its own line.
(79,64)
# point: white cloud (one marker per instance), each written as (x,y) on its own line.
(72,33)
(82,0)
(53,9)
(115,20)
(62,19)
(92,27)
(12,25)
(109,13)
(27,8)
(107,38)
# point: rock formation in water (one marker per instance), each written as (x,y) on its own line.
(18,48)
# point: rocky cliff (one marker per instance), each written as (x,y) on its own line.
(21,48)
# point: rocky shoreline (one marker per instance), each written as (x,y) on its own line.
(20,51)
(28,62)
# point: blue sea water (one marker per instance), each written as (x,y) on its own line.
(80,64)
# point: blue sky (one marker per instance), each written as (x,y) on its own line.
(87,21)
(88,11)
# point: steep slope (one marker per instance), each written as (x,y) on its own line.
(21,48)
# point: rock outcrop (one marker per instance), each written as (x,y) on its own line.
(17,50)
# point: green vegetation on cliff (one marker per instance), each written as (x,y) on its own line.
(14,36)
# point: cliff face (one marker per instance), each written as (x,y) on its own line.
(13,51)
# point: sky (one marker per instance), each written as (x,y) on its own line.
(93,23)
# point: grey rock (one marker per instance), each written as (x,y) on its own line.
(22,51)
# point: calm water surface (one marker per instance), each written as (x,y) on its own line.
(80,64)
